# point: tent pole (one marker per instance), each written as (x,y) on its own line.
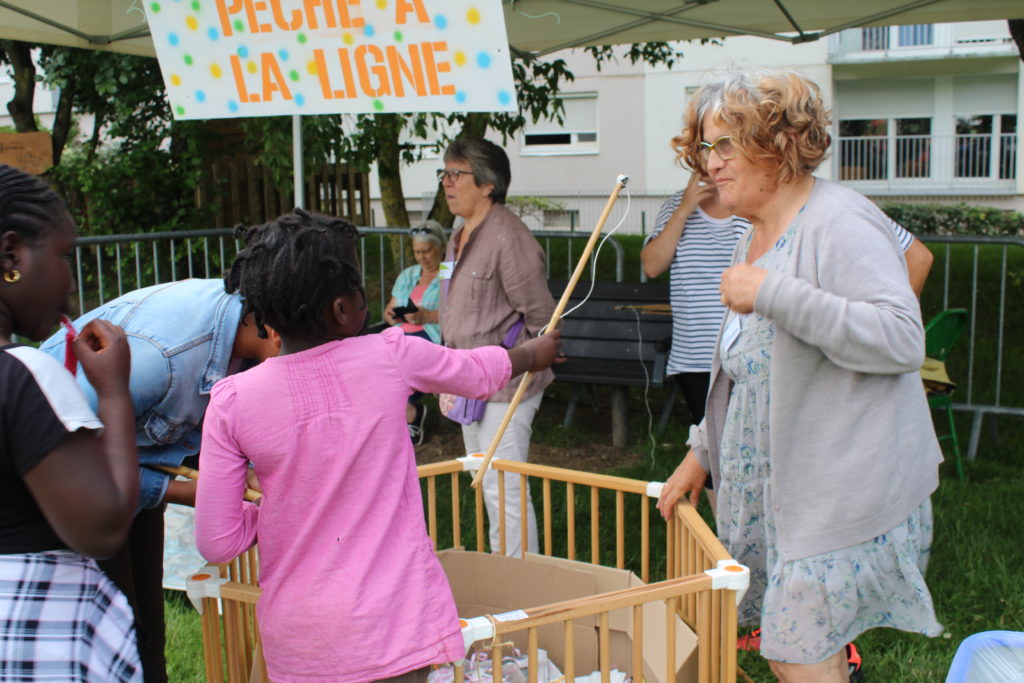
(299,181)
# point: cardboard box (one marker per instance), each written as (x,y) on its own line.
(493,584)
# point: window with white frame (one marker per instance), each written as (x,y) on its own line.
(577,134)
(986,146)
(883,148)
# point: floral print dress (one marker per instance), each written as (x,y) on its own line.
(810,608)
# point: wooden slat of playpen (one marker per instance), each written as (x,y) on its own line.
(604,648)
(531,653)
(479,519)
(715,618)
(432,509)
(570,650)
(496,659)
(638,643)
(727,650)
(645,540)
(570,520)
(502,546)
(548,541)
(620,529)
(595,526)
(456,512)
(524,528)
(233,643)
(704,642)
(212,647)
(603,481)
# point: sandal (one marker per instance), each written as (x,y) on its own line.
(855,662)
(750,641)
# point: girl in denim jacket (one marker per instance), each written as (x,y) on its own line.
(352,590)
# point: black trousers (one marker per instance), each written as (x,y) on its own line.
(138,570)
(694,386)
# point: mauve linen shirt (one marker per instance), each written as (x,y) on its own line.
(352,589)
(499,276)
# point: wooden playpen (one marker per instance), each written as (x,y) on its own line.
(701,582)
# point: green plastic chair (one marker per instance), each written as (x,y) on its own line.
(940,334)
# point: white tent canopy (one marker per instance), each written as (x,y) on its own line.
(543,26)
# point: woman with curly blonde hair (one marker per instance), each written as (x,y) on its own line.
(817,432)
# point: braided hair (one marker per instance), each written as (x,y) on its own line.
(27,205)
(291,268)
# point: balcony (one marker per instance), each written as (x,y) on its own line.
(929,164)
(921,41)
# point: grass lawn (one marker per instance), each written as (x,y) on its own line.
(976,572)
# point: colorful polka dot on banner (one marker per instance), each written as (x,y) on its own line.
(188,60)
(473,16)
(175,79)
(216,71)
(173,39)
(460,97)
(301,38)
(239,25)
(251,67)
(378,105)
(369,31)
(311,68)
(382,4)
(283,54)
(503,97)
(483,60)
(300,99)
(195,5)
(399,37)
(347,38)
(155,6)
(440,21)
(460,58)
(213,33)
(200,96)
(192,23)
(179,110)
(293,74)
(242,51)
(232,105)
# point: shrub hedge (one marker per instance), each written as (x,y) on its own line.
(956,219)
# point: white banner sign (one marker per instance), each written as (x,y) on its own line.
(230,58)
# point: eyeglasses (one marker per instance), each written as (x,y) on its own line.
(451,174)
(723,147)
(420,231)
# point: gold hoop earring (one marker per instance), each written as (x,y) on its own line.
(12,276)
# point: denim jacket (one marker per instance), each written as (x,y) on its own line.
(180,335)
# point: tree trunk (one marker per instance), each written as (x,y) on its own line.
(474,126)
(389,166)
(62,122)
(1017,31)
(20,107)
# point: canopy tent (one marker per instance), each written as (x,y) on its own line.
(544,26)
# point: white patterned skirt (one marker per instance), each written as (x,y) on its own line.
(61,619)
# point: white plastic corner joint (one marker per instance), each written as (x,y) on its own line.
(204,583)
(477,628)
(470,463)
(731,575)
(654,489)
(623,179)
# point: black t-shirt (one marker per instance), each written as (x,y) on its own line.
(40,405)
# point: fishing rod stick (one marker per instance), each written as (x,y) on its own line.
(620,183)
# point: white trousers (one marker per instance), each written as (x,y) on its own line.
(515,445)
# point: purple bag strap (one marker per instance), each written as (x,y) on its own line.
(513,333)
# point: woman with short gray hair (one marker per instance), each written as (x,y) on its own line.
(497,288)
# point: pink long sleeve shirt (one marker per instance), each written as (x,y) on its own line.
(352,590)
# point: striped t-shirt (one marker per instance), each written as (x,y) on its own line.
(703,252)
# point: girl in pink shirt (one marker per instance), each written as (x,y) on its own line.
(352,590)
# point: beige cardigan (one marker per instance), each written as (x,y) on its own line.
(853,450)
